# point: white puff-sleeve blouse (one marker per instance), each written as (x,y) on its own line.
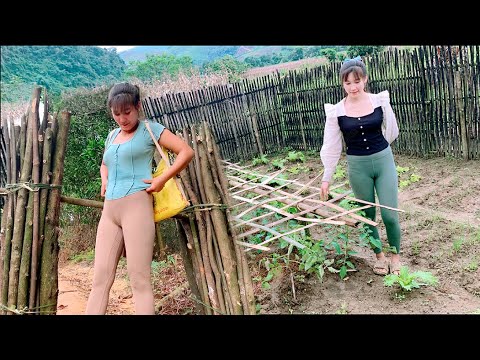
(332,136)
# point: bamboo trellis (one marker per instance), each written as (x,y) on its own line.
(434,91)
(319,212)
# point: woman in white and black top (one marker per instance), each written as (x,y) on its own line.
(368,126)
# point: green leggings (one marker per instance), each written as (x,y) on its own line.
(377,172)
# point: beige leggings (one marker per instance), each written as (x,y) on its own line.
(128,222)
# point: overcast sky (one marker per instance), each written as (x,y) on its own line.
(119,48)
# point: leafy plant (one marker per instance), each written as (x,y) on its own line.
(278,163)
(472,266)
(279,180)
(296,169)
(407,281)
(348,204)
(404,182)
(312,257)
(273,266)
(295,156)
(88,256)
(340,172)
(401,170)
(415,178)
(157,266)
(366,238)
(457,245)
(341,244)
(262,160)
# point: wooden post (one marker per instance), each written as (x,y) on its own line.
(299,111)
(257,135)
(460,109)
(49,252)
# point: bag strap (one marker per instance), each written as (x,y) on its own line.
(159,148)
(165,158)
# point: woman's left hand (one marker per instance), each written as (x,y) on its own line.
(156,184)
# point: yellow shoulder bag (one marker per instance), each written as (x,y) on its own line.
(171,199)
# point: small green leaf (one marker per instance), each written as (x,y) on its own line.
(338,250)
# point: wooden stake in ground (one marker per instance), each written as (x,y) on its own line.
(49,257)
(19,218)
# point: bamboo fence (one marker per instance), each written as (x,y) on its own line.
(434,92)
(33,159)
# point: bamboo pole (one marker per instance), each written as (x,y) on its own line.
(459,103)
(36,196)
(160,242)
(200,264)
(19,217)
(23,285)
(5,233)
(201,223)
(214,266)
(206,257)
(188,264)
(13,160)
(245,279)
(23,136)
(81,202)
(221,232)
(301,206)
(299,111)
(49,256)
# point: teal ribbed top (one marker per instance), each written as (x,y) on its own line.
(130,162)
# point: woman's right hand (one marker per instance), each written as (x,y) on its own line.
(324,190)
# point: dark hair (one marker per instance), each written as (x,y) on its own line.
(122,95)
(357,67)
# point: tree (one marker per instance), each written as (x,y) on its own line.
(229,64)
(360,50)
(58,68)
(329,53)
(157,66)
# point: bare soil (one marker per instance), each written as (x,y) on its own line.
(440,234)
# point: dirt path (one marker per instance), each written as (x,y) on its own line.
(74,283)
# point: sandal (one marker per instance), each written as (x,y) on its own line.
(395,267)
(381,266)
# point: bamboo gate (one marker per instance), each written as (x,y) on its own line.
(34,153)
(434,92)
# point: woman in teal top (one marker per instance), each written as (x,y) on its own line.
(127,184)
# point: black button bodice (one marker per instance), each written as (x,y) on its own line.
(363,134)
